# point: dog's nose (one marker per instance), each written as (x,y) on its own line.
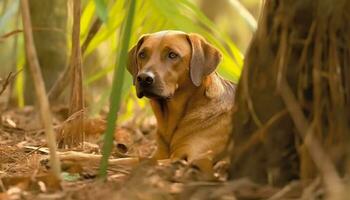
(145,79)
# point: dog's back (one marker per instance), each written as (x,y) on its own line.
(205,128)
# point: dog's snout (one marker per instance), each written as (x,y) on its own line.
(145,79)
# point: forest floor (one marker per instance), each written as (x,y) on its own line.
(24,168)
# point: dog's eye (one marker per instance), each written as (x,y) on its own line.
(172,55)
(142,55)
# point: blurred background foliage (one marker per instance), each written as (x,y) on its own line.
(218,21)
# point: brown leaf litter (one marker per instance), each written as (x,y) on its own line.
(131,175)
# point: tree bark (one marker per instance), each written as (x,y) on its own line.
(303,46)
(49,19)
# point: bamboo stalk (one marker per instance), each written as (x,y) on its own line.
(117,86)
(44,107)
(73,131)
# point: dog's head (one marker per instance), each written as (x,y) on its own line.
(166,61)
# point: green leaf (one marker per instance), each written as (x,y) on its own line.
(101,9)
(86,19)
(116,94)
(70,177)
(9,12)
(117,13)
(156,15)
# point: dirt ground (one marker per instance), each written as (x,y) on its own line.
(24,167)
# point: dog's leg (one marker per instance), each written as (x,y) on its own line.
(162,149)
(201,161)
(205,165)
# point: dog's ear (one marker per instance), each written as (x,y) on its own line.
(205,58)
(132,58)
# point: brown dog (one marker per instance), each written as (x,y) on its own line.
(191,102)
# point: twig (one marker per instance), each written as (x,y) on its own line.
(247,96)
(259,134)
(5,84)
(75,115)
(9,34)
(284,190)
(8,79)
(35,72)
(309,191)
(282,55)
(95,27)
(92,159)
(18,31)
(79,156)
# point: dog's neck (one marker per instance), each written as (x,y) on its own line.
(170,112)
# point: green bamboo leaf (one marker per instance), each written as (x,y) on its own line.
(10,12)
(117,13)
(86,19)
(184,15)
(116,94)
(19,82)
(101,9)
(162,15)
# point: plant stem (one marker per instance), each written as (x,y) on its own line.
(35,72)
(116,93)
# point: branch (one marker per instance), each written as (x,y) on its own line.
(34,69)
(95,27)
(8,79)
(9,34)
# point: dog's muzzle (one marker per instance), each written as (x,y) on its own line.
(145,79)
(146,85)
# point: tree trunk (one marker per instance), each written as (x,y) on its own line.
(304,46)
(49,19)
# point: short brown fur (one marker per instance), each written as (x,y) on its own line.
(191,102)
